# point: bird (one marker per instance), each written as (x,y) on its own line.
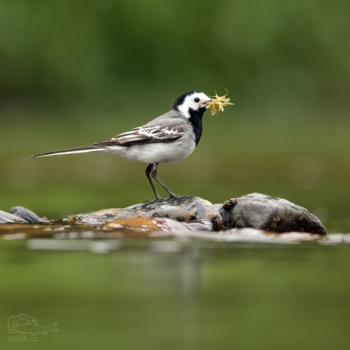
(167,139)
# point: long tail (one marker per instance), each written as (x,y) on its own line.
(70,151)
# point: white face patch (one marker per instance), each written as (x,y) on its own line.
(195,101)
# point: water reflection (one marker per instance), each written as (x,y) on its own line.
(166,270)
(189,295)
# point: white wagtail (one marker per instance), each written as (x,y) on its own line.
(167,139)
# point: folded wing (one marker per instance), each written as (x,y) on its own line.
(147,134)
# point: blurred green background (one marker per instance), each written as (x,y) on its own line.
(76,72)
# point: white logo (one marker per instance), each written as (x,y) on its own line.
(23,325)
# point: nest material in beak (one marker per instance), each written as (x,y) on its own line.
(218,103)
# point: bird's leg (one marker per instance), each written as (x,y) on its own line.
(148,171)
(154,175)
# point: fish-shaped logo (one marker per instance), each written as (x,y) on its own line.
(26,324)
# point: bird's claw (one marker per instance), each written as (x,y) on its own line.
(159,199)
(175,197)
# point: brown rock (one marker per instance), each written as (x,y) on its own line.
(143,227)
(185,209)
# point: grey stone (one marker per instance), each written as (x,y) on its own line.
(26,214)
(6,218)
(270,214)
(185,209)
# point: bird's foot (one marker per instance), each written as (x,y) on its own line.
(158,199)
(175,197)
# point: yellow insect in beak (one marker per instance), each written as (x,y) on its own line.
(218,103)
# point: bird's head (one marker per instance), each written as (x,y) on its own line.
(195,101)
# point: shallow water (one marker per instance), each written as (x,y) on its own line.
(152,294)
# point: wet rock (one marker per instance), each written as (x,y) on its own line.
(186,209)
(269,214)
(19,215)
(6,218)
(26,214)
(149,225)
(300,237)
(144,227)
(235,237)
(336,238)
(27,230)
(199,225)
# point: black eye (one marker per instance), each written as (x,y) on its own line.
(196,99)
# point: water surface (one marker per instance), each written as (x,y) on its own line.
(246,296)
